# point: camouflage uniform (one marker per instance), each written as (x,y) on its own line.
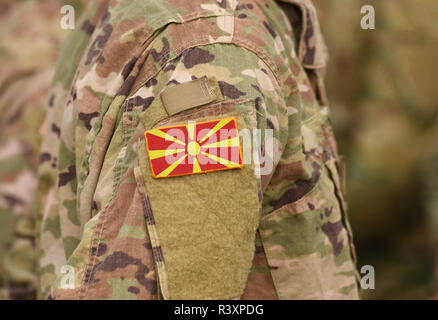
(228,234)
(385,116)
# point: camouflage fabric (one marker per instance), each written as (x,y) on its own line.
(109,230)
(385,116)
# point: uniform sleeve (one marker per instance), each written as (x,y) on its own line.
(178,199)
(201,161)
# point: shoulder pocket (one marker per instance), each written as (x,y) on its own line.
(204,224)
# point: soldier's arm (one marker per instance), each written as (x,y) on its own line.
(191,215)
(138,218)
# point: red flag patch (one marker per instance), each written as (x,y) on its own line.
(194,148)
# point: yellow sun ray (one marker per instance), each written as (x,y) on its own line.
(155,154)
(191,130)
(233,142)
(169,169)
(217,127)
(165,136)
(225,162)
(196,167)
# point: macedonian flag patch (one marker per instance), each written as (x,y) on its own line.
(195,147)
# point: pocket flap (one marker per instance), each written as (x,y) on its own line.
(204,224)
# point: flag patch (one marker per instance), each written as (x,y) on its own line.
(195,147)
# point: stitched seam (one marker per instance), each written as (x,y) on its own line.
(266,59)
(176,52)
(97,234)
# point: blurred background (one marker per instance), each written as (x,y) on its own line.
(382,85)
(30,37)
(384,98)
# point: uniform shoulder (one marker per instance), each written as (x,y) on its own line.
(257,26)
